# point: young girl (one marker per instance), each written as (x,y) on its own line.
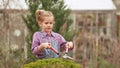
(46,38)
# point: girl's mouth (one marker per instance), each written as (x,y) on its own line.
(49,28)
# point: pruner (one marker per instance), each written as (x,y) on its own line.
(65,56)
(53,49)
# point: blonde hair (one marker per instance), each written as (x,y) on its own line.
(41,14)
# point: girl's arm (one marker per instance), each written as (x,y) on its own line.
(37,46)
(35,43)
(64,44)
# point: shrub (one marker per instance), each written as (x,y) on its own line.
(52,63)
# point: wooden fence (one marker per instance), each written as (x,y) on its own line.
(13,47)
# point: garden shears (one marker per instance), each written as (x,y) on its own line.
(65,56)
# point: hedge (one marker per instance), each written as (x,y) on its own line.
(52,63)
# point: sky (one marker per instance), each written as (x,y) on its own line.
(90,4)
(72,4)
(13,4)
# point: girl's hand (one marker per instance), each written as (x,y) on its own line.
(69,45)
(46,45)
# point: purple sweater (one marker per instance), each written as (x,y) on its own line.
(57,41)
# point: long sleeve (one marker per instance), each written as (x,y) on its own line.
(35,43)
(62,42)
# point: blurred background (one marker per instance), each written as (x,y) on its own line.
(95,32)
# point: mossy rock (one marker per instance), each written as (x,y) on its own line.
(52,63)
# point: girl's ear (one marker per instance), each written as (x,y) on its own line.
(39,23)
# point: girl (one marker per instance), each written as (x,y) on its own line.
(46,38)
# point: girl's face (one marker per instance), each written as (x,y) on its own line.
(47,24)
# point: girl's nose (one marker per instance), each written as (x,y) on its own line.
(49,24)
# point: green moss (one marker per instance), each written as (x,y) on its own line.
(52,63)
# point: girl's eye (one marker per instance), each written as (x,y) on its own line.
(51,23)
(46,22)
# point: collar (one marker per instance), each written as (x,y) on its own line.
(44,34)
